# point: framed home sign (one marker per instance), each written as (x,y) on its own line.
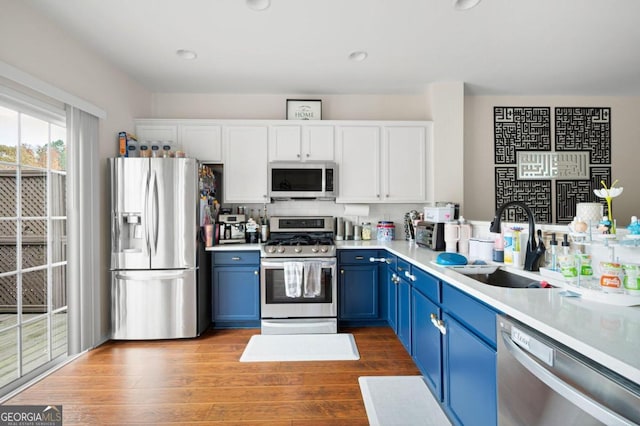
(304,109)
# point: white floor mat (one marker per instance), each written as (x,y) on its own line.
(400,400)
(301,347)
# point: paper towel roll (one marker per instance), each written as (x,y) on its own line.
(589,212)
(361,210)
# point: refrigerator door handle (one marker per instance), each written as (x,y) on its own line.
(154,213)
(161,276)
(145,213)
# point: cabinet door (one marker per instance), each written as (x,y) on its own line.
(392,299)
(427,341)
(318,143)
(285,143)
(245,164)
(469,376)
(203,142)
(404,163)
(157,132)
(359,292)
(235,295)
(404,313)
(358,157)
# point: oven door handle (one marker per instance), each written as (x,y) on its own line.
(279,264)
(563,388)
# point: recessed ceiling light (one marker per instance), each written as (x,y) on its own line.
(465,4)
(358,55)
(258,4)
(186,54)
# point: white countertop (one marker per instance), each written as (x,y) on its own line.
(610,335)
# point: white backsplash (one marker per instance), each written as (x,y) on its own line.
(377,212)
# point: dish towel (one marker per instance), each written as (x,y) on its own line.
(293,278)
(312,278)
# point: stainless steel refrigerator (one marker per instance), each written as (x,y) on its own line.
(158,264)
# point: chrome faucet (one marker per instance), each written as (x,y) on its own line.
(535,251)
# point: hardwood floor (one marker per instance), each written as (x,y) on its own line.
(201,381)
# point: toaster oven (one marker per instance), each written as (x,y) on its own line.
(430,235)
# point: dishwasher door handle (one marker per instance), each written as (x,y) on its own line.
(572,394)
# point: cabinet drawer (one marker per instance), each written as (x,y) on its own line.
(392,260)
(358,257)
(236,258)
(403,266)
(427,284)
(474,314)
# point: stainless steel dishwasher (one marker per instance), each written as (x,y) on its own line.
(542,382)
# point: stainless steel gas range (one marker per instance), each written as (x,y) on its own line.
(298,276)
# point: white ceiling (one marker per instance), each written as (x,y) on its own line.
(509,47)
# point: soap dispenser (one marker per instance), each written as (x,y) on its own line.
(554,251)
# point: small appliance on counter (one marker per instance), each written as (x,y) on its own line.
(232,228)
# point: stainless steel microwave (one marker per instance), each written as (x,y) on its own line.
(308,180)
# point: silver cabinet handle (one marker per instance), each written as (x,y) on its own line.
(438,323)
(235,258)
(255,272)
(563,388)
(378,259)
(359,257)
(408,275)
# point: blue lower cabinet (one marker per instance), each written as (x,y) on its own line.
(469,376)
(392,298)
(404,313)
(236,296)
(359,292)
(427,341)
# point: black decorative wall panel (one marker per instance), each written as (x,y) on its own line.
(520,129)
(584,129)
(536,194)
(571,192)
(580,129)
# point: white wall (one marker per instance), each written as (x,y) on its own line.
(34,45)
(273,107)
(479,181)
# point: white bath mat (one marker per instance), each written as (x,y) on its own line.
(400,400)
(301,347)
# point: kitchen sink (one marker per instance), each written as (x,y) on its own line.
(502,278)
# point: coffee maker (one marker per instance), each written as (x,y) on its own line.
(232,228)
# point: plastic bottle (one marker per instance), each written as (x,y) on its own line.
(567,262)
(554,252)
(565,245)
(508,247)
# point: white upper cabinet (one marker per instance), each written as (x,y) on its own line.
(301,142)
(358,158)
(203,142)
(245,163)
(378,161)
(384,162)
(404,154)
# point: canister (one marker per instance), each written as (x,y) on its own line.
(610,280)
(631,279)
(386,231)
(366,231)
(357,232)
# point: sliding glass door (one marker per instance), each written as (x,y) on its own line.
(33,242)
